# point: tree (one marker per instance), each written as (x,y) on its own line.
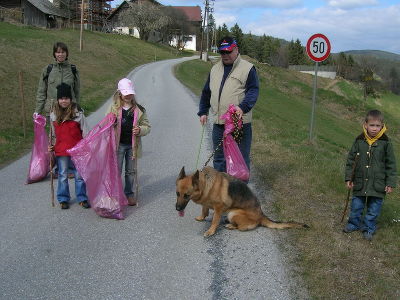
(222,31)
(176,26)
(394,81)
(367,77)
(296,53)
(237,34)
(341,65)
(145,17)
(250,44)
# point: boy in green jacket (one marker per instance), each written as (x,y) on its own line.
(375,174)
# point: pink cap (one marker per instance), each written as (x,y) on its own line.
(125,86)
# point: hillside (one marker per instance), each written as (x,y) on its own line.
(375,53)
(105,59)
(307,183)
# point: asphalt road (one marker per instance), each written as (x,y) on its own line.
(49,253)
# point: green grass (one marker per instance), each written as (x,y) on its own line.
(104,60)
(306,179)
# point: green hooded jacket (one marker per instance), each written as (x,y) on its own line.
(47,88)
(375,167)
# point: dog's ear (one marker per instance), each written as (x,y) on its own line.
(182,174)
(195,178)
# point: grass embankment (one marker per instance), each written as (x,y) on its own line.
(306,179)
(105,59)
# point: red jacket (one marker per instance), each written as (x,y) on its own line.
(68,134)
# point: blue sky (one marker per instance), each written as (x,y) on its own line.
(349,24)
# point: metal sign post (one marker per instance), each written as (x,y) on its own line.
(318,49)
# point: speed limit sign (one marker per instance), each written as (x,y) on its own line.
(318,47)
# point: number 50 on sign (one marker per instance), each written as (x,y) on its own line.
(318,47)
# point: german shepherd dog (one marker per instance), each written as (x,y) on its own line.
(223,193)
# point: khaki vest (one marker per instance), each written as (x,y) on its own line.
(233,91)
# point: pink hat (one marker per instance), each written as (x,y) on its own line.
(125,86)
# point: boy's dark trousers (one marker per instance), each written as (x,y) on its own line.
(356,222)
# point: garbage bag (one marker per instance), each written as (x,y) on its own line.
(95,159)
(235,164)
(39,165)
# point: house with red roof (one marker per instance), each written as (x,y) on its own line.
(188,40)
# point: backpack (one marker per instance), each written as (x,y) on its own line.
(50,67)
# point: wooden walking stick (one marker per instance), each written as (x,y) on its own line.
(349,190)
(134,154)
(51,157)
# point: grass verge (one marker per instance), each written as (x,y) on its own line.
(306,179)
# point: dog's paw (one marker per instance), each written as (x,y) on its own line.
(200,218)
(230,226)
(209,233)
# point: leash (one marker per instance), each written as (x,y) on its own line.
(201,142)
(237,136)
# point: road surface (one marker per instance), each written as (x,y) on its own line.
(49,253)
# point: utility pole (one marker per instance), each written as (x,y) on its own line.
(203,28)
(209,10)
(81,36)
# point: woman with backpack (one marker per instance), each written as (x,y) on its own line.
(60,71)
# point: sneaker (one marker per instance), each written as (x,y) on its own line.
(84,204)
(367,235)
(349,229)
(132,201)
(64,205)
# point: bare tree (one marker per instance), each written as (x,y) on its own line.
(367,76)
(145,17)
(177,26)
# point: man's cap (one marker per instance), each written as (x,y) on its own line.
(64,90)
(125,86)
(227,43)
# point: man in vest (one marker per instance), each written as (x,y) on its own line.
(232,80)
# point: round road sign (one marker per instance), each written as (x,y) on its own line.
(318,47)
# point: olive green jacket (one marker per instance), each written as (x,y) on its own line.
(47,88)
(375,167)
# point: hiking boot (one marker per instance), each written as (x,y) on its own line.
(349,229)
(64,205)
(132,201)
(367,235)
(84,204)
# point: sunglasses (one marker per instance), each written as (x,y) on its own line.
(222,52)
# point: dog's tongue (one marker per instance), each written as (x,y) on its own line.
(181,213)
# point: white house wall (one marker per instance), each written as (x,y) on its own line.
(189,45)
(125,30)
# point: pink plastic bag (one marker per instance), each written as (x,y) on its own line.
(96,161)
(235,164)
(39,165)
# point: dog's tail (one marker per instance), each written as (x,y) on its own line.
(266,222)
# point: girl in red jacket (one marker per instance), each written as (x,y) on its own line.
(69,126)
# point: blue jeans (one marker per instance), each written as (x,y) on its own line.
(368,223)
(244,146)
(125,153)
(65,164)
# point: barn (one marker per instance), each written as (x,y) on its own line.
(40,13)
